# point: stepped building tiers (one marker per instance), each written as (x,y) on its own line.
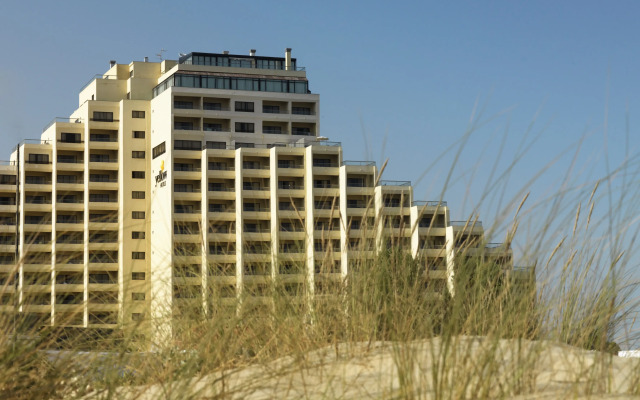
(200,181)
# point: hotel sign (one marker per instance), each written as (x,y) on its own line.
(161,178)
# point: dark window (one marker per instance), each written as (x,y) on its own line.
(101,137)
(100,178)
(271,129)
(137,235)
(187,145)
(137,255)
(137,296)
(137,276)
(321,162)
(64,158)
(137,114)
(212,127)
(355,182)
(212,106)
(216,145)
(103,116)
(301,110)
(271,109)
(7,179)
(136,316)
(244,144)
(245,127)
(186,105)
(99,198)
(137,174)
(137,214)
(99,158)
(38,158)
(300,131)
(67,179)
(138,134)
(137,194)
(244,106)
(70,137)
(137,154)
(159,149)
(183,125)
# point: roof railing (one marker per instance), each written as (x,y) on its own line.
(62,119)
(359,163)
(467,223)
(98,76)
(394,183)
(429,203)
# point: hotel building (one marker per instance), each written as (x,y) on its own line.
(197,182)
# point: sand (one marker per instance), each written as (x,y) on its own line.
(474,367)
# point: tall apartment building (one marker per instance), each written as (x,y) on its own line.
(196,182)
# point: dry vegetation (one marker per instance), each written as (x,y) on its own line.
(387,332)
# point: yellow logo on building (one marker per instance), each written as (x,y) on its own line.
(162,175)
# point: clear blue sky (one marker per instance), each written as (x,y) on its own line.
(397,80)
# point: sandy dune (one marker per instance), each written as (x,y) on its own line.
(473,367)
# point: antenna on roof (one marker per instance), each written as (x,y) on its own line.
(159,55)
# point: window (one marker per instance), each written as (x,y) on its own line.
(137,194)
(159,149)
(100,178)
(301,110)
(137,114)
(137,174)
(99,158)
(67,179)
(300,131)
(137,276)
(186,105)
(244,144)
(102,116)
(247,127)
(183,125)
(137,214)
(70,137)
(138,134)
(137,154)
(137,235)
(101,137)
(187,145)
(137,296)
(136,316)
(38,158)
(99,198)
(212,106)
(137,255)
(216,145)
(355,182)
(244,106)
(212,127)
(271,129)
(65,158)
(271,109)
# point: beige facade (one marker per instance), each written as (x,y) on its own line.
(176,180)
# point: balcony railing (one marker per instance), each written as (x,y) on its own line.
(395,183)
(64,120)
(359,163)
(422,203)
(467,223)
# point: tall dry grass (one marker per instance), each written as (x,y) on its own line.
(487,341)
